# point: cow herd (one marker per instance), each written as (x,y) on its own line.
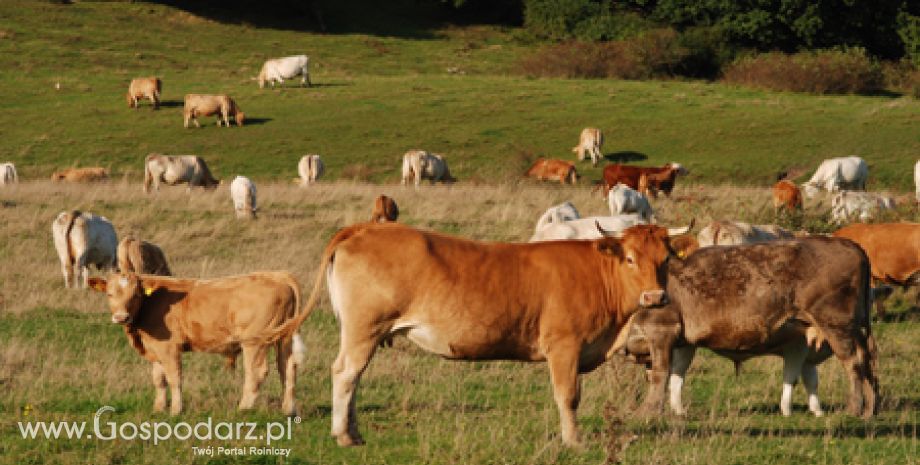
(580,292)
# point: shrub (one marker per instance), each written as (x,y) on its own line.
(822,72)
(586,20)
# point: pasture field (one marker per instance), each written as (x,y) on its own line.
(61,359)
(387,86)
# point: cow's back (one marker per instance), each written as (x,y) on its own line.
(893,248)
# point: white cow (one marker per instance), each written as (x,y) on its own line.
(8,173)
(623,199)
(847,205)
(739,232)
(420,164)
(310,169)
(585,228)
(279,69)
(590,142)
(838,173)
(177,169)
(917,179)
(557,214)
(83,239)
(243,194)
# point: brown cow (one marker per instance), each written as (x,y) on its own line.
(206,105)
(164,317)
(385,209)
(786,195)
(90,174)
(140,88)
(746,300)
(893,250)
(553,170)
(141,257)
(469,300)
(657,178)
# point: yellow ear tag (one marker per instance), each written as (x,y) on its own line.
(148,291)
(680,254)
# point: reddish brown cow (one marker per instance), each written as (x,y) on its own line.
(786,195)
(385,209)
(470,300)
(553,170)
(893,250)
(164,317)
(656,178)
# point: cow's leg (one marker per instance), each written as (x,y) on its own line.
(81,275)
(354,355)
(195,120)
(810,380)
(681,357)
(793,360)
(563,370)
(661,367)
(172,366)
(850,347)
(287,370)
(158,374)
(67,271)
(256,369)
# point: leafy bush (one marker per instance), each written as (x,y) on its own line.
(584,20)
(822,72)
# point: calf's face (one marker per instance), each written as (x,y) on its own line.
(643,252)
(124,292)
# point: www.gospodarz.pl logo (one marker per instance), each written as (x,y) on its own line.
(160,431)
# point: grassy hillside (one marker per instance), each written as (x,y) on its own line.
(378,96)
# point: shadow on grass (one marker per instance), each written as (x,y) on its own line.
(171,103)
(625,156)
(911,314)
(857,429)
(255,121)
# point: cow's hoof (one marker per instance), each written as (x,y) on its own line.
(345,440)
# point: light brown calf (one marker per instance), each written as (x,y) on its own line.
(786,195)
(141,257)
(147,87)
(385,210)
(91,174)
(164,317)
(553,170)
(206,105)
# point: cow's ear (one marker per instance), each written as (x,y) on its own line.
(97,284)
(610,246)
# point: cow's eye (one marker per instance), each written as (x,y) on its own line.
(630,261)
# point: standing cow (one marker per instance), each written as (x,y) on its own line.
(141,257)
(164,317)
(847,205)
(419,164)
(786,195)
(243,194)
(838,173)
(83,239)
(177,169)
(279,69)
(310,168)
(740,300)
(648,180)
(385,210)
(469,300)
(590,141)
(206,105)
(8,174)
(623,199)
(141,88)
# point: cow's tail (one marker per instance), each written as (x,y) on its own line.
(71,220)
(148,174)
(871,346)
(573,175)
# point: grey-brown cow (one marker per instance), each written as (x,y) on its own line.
(742,301)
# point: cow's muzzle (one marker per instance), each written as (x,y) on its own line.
(121,318)
(653,298)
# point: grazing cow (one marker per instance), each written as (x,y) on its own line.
(8,174)
(738,232)
(917,179)
(164,317)
(243,194)
(310,168)
(893,250)
(656,178)
(177,169)
(590,141)
(592,227)
(524,302)
(141,88)
(565,211)
(419,164)
(847,205)
(748,300)
(206,105)
(89,174)
(385,210)
(838,173)
(786,195)
(553,170)
(279,69)
(623,199)
(82,239)
(141,257)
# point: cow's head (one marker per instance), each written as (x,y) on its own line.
(642,253)
(125,293)
(240,117)
(130,100)
(810,189)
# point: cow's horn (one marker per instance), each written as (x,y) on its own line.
(605,233)
(684,230)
